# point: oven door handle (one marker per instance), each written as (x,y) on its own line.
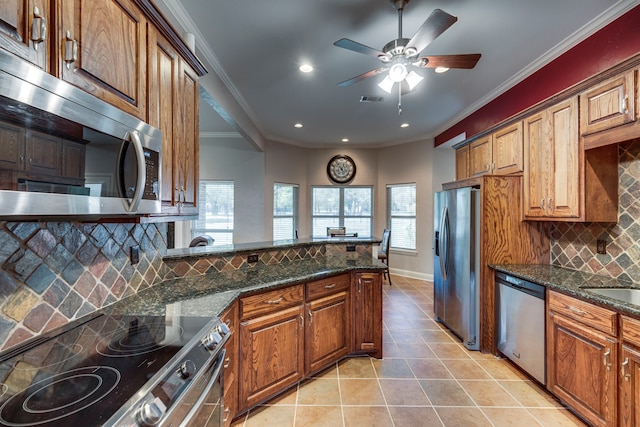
(208,388)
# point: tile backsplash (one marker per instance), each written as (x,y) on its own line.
(54,272)
(573,245)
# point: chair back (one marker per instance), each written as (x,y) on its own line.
(384,246)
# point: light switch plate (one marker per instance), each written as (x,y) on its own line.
(601,246)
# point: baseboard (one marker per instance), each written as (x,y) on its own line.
(412,274)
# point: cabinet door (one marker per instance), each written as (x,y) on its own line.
(563,200)
(481,156)
(607,105)
(507,149)
(536,165)
(462,163)
(271,354)
(104,52)
(581,369)
(629,403)
(187,152)
(24,26)
(367,313)
(43,154)
(11,147)
(327,331)
(73,159)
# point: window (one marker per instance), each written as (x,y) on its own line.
(401,215)
(285,211)
(349,207)
(215,213)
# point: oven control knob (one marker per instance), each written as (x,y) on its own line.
(150,413)
(187,369)
(212,340)
(223,329)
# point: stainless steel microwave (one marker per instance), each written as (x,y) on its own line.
(66,153)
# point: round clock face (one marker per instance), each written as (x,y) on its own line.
(341,169)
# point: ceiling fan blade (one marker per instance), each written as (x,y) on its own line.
(452,61)
(362,76)
(435,25)
(358,47)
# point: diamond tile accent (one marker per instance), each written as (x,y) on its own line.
(573,245)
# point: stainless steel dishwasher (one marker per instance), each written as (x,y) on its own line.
(521,329)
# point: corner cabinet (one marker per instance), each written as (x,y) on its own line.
(104,51)
(462,163)
(24,30)
(174,109)
(582,355)
(367,312)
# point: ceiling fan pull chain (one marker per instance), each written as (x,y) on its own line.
(400,98)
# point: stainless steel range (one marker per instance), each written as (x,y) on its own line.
(118,370)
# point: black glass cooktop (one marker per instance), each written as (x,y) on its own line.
(85,374)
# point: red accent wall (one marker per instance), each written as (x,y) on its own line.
(611,45)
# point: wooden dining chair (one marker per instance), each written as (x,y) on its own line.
(383,253)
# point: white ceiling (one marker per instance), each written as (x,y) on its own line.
(255,48)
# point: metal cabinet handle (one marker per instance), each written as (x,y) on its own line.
(542,203)
(607,364)
(70,50)
(21,159)
(359,284)
(577,311)
(275,301)
(38,28)
(310,318)
(625,108)
(625,373)
(227,412)
(549,205)
(330,286)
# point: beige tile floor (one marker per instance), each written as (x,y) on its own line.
(427,378)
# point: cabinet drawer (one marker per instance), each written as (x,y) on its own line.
(596,317)
(631,330)
(320,288)
(267,302)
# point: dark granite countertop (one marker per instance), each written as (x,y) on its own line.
(212,293)
(574,283)
(260,246)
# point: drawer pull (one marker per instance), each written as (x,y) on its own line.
(625,372)
(333,285)
(577,310)
(275,301)
(227,362)
(607,365)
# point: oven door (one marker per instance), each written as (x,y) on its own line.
(202,405)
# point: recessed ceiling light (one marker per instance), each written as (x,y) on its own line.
(297,125)
(306,68)
(404,125)
(441,69)
(345,139)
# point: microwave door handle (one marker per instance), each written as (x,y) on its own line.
(132,137)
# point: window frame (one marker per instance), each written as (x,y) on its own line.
(341,210)
(390,216)
(294,216)
(195,231)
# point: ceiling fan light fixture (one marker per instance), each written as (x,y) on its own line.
(441,70)
(306,68)
(397,73)
(413,79)
(386,84)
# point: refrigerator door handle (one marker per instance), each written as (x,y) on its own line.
(444,243)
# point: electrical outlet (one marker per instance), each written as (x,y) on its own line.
(134,254)
(252,258)
(601,246)
(351,248)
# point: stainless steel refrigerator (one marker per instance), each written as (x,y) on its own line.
(457,262)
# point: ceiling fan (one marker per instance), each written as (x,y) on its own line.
(400,56)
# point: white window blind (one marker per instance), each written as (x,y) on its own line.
(349,207)
(215,213)
(285,211)
(401,215)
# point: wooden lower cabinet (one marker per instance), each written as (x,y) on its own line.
(327,330)
(367,313)
(271,354)
(629,398)
(582,366)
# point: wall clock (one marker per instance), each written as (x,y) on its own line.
(341,169)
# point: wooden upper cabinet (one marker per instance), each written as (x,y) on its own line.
(24,29)
(608,104)
(462,163)
(481,156)
(103,51)
(499,153)
(552,162)
(174,109)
